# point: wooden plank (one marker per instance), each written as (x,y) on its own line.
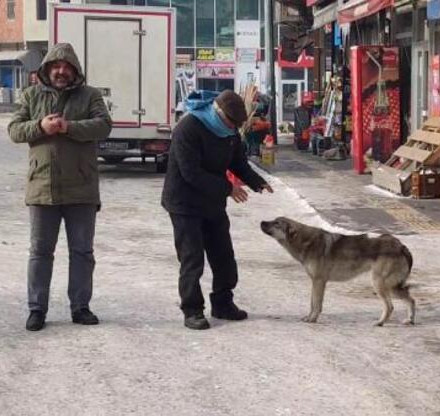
(426,137)
(432,122)
(392,179)
(412,153)
(434,158)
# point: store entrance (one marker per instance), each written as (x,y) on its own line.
(290,98)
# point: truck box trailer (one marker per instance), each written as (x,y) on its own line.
(128,53)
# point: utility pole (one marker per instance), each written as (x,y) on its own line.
(270,65)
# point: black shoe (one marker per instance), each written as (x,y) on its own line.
(84,317)
(230,312)
(197,321)
(36,321)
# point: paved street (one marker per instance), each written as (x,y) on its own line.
(142,361)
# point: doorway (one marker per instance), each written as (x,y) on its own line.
(290,98)
(419,89)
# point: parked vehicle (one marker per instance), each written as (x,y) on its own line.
(181,96)
(129,54)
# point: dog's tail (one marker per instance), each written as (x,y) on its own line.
(408,256)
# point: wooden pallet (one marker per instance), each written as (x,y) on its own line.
(421,149)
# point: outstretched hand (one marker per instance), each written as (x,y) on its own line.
(266,187)
(238,194)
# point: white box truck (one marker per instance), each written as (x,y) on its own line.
(129,54)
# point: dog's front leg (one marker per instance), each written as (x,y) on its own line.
(318,290)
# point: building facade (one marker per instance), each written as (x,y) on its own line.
(219,43)
(11,43)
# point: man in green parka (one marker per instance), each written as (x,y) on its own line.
(61,119)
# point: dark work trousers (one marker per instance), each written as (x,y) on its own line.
(193,236)
(79,220)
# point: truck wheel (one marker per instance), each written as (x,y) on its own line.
(161,167)
(111,160)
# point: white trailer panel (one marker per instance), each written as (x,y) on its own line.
(129,53)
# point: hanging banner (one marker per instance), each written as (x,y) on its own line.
(205,54)
(215,70)
(247,33)
(224,55)
(434,97)
(354,9)
(247,55)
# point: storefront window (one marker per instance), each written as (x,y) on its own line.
(205,23)
(185,22)
(225,22)
(215,84)
(6,77)
(247,9)
(292,73)
(41,10)
(10,9)
(163,3)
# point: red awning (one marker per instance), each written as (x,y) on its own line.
(358,9)
(304,61)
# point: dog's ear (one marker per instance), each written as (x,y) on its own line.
(291,231)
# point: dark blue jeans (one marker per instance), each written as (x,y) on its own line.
(45,221)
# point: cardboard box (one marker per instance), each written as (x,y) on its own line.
(391,179)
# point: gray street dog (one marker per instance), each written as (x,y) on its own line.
(336,257)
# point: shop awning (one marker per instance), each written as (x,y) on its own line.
(325,15)
(30,59)
(358,9)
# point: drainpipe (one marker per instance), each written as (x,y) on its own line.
(270,65)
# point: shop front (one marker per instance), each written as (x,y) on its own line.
(16,68)
(294,81)
(215,69)
(428,53)
(375,84)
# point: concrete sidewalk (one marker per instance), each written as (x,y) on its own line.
(349,200)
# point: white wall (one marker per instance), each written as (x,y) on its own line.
(33,29)
(37,30)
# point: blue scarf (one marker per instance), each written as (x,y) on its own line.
(201,105)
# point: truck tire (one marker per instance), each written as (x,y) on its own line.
(111,160)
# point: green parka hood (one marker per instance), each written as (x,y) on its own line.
(61,52)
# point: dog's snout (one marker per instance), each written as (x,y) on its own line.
(265,225)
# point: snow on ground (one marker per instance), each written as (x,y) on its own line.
(141,360)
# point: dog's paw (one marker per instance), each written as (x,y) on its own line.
(378,323)
(306,318)
(408,322)
(309,319)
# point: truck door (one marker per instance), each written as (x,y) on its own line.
(113,64)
